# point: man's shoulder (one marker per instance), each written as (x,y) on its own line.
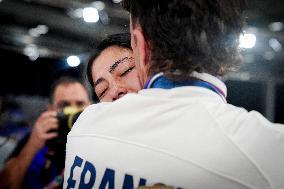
(130,100)
(98,114)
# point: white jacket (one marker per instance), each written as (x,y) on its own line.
(187,137)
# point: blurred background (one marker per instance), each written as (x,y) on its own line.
(41,40)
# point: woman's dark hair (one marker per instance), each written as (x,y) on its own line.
(119,40)
(188,35)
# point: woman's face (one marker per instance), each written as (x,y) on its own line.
(114,74)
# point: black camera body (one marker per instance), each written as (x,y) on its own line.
(66,119)
(57,146)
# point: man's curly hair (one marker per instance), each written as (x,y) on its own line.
(190,35)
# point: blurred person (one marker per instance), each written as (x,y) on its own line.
(13,126)
(179,130)
(35,163)
(111,70)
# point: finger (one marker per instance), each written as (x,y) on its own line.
(46,124)
(50,120)
(50,127)
(48,114)
(44,116)
(51,135)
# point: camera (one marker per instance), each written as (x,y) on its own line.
(66,119)
(57,146)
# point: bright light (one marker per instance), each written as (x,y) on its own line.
(39,30)
(116,1)
(275,45)
(247,41)
(73,61)
(90,14)
(99,5)
(33,32)
(42,29)
(276,26)
(32,52)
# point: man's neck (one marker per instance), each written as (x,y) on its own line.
(197,79)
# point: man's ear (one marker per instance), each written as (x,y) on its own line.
(140,45)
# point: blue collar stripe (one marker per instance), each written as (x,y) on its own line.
(159,81)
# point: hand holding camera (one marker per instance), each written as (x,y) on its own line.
(46,122)
(52,127)
(65,120)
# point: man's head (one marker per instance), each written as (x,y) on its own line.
(180,36)
(111,70)
(68,91)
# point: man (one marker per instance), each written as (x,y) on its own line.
(34,164)
(179,130)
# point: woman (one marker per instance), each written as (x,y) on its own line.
(111,70)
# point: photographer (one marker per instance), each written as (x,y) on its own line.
(38,160)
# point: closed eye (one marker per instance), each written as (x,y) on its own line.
(127,71)
(102,94)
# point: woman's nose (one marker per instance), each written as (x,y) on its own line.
(117,92)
